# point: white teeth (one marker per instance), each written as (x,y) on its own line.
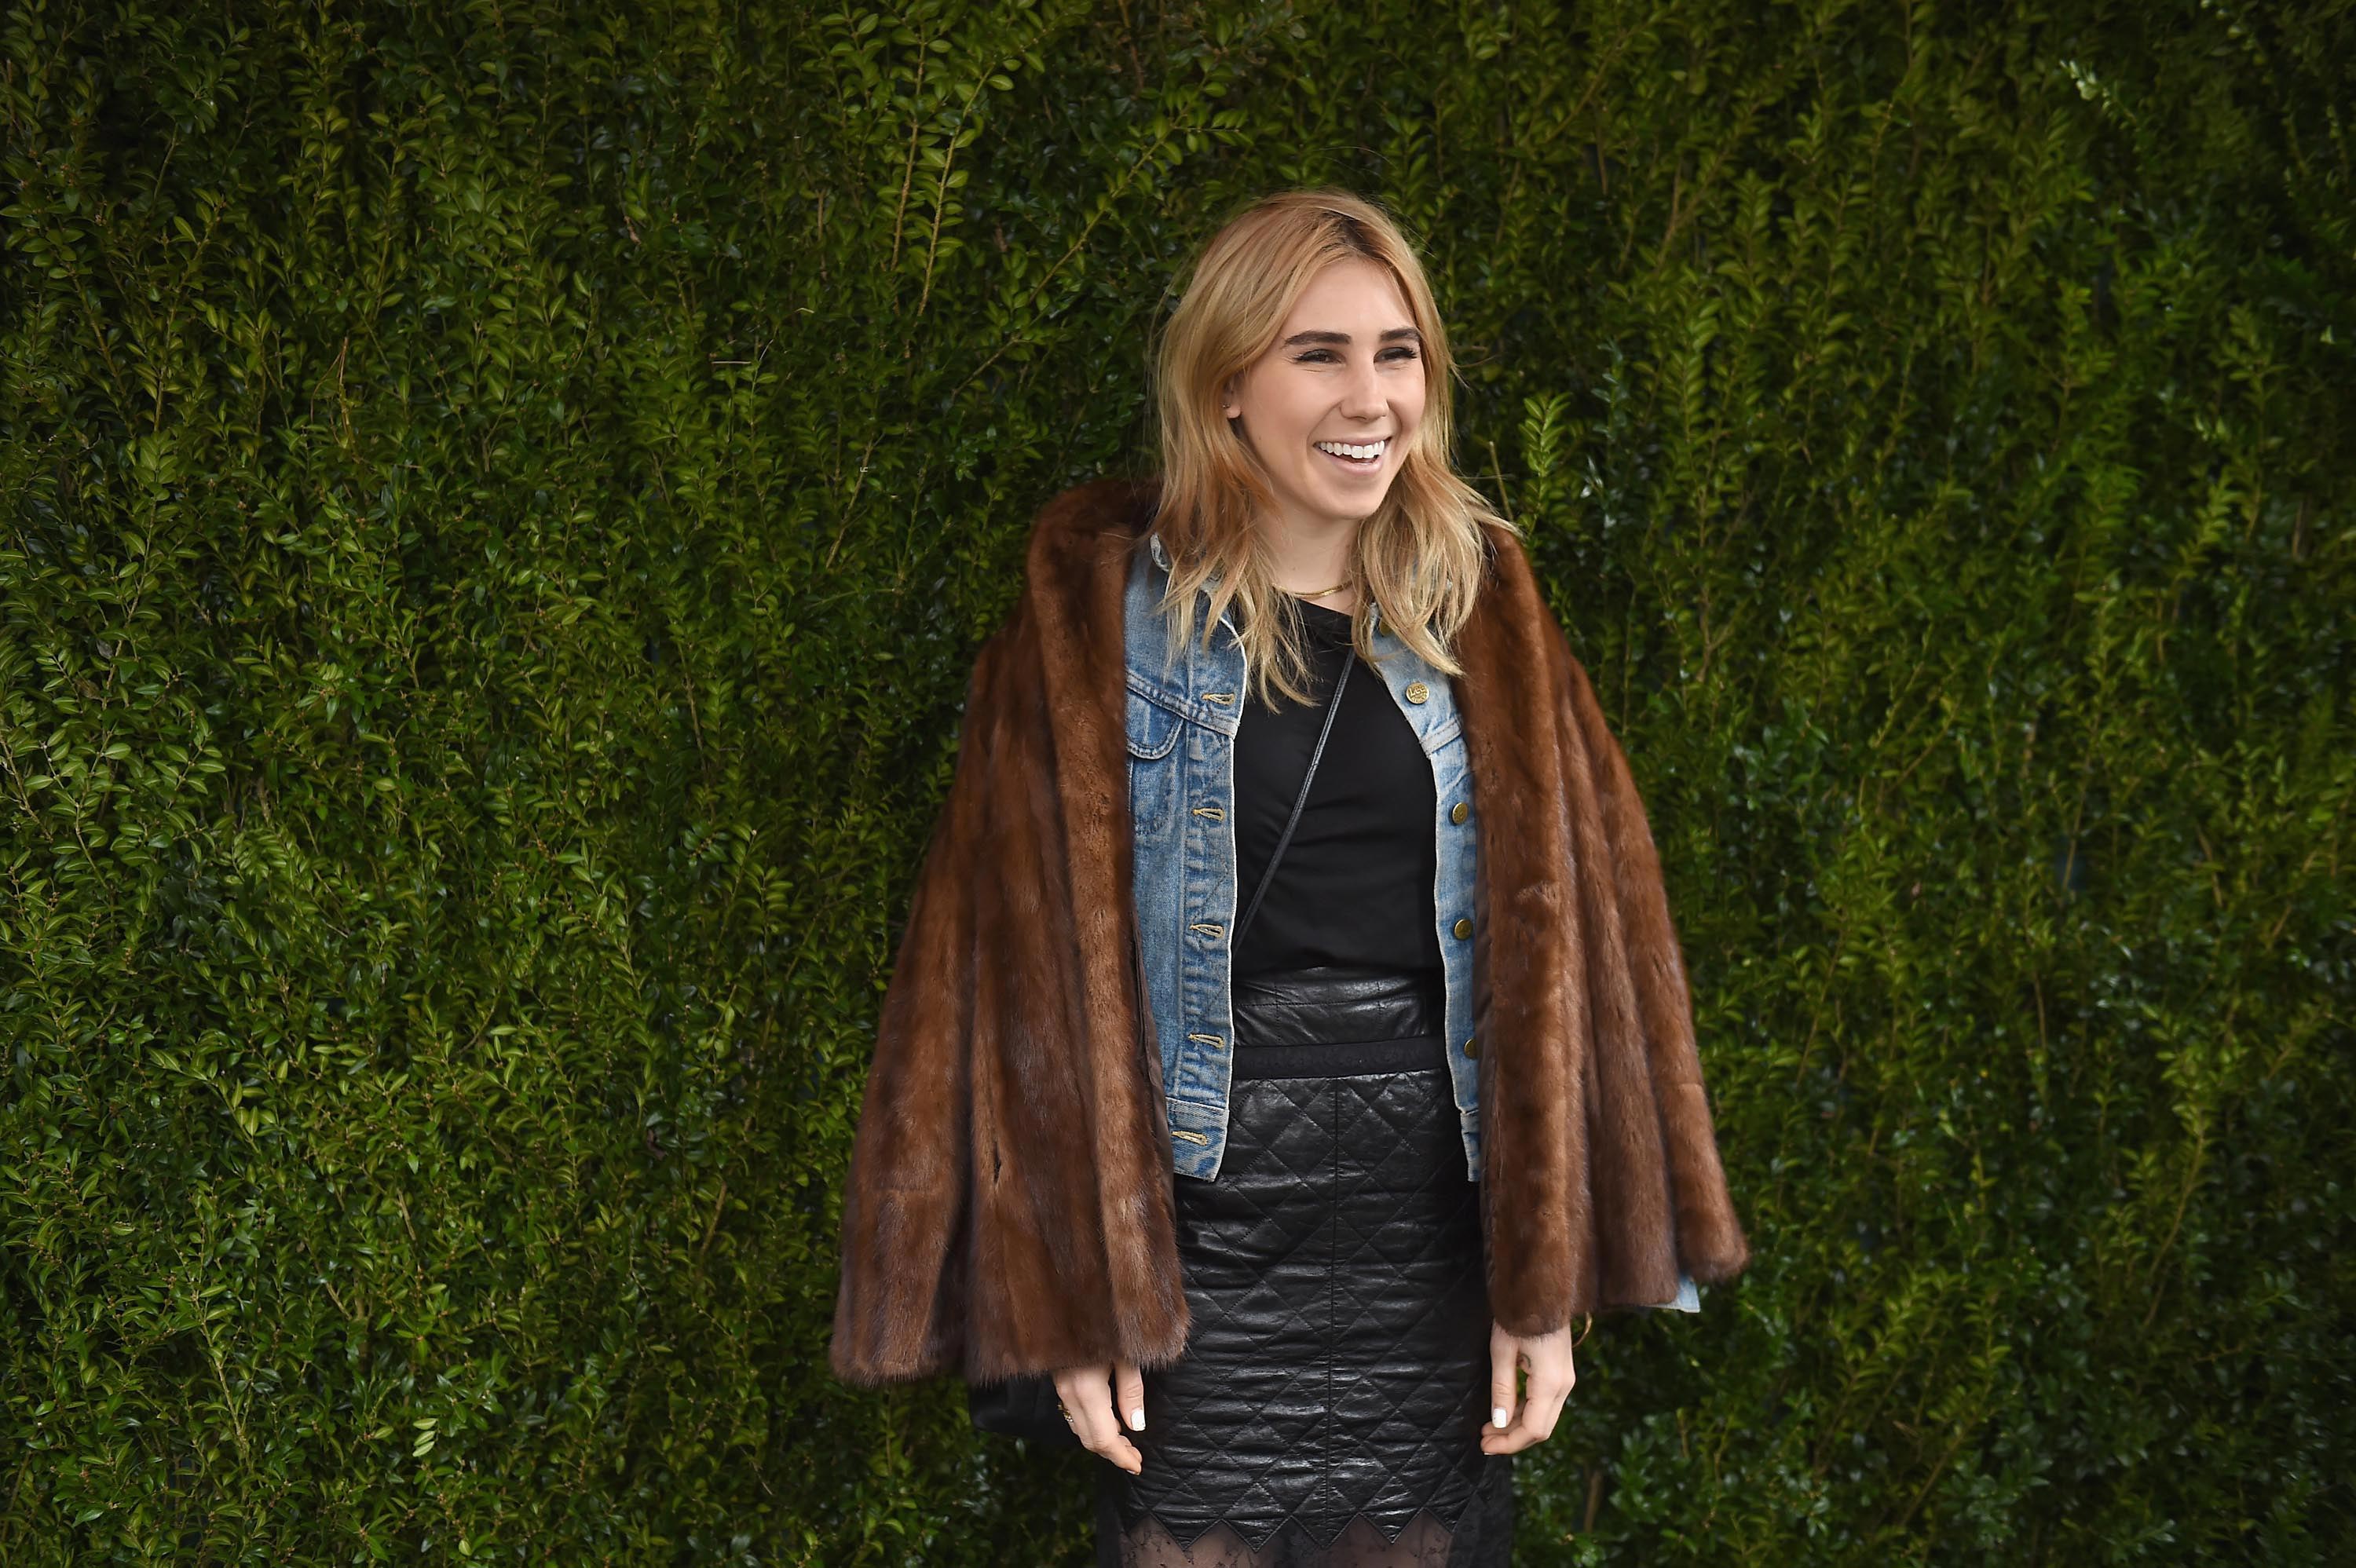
(1344,449)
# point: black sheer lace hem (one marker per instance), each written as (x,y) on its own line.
(1483,1538)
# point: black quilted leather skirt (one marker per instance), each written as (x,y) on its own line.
(1327,1412)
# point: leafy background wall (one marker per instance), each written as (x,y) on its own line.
(501,500)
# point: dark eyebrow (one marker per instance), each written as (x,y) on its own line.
(1342,339)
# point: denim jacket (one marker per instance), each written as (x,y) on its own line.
(1182,733)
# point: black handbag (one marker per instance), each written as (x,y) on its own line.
(1027,1405)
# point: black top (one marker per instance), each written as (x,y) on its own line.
(1356,885)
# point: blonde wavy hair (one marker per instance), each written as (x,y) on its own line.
(1420,555)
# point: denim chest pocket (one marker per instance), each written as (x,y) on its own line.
(1154,732)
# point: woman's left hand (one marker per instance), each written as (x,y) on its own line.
(1519,1420)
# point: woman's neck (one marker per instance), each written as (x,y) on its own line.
(1315,563)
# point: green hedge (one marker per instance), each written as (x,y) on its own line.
(502,498)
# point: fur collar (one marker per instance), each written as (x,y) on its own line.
(1008,1208)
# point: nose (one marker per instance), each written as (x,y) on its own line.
(1362,396)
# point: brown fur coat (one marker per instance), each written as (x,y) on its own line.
(1008,1203)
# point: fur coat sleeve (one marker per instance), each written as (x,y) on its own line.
(1009,1205)
(1709,1244)
(904,1202)
(1601,1174)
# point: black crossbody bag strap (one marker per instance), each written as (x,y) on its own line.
(1333,706)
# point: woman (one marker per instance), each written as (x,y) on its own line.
(1290,1133)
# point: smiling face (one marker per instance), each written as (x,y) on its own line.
(1333,409)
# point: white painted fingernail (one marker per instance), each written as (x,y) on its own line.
(1500,1416)
(1136,1419)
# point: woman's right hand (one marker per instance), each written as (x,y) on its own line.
(1088,1394)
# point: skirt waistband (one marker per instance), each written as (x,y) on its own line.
(1339,1021)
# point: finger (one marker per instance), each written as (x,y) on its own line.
(1093,1409)
(1549,1386)
(1535,1421)
(1504,1352)
(1531,1424)
(1511,1438)
(1544,1406)
(1129,1394)
(1088,1397)
(1121,1451)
